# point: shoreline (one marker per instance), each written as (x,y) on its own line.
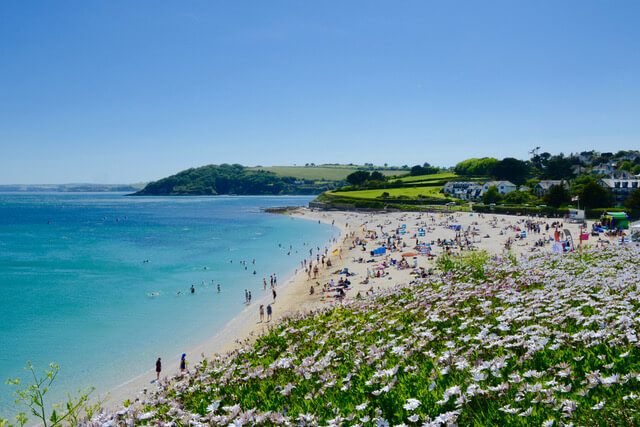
(294,296)
(244,325)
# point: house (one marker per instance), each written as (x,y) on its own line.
(603,169)
(543,186)
(578,170)
(610,171)
(464,190)
(621,188)
(504,187)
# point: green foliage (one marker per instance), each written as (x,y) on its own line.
(423,170)
(633,201)
(472,263)
(518,197)
(593,195)
(33,396)
(557,196)
(358,177)
(228,179)
(475,167)
(510,169)
(491,195)
(558,167)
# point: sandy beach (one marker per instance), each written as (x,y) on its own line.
(361,233)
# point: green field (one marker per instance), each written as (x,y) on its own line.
(427,178)
(322,172)
(410,192)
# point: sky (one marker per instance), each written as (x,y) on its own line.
(126,92)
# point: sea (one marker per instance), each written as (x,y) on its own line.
(99,283)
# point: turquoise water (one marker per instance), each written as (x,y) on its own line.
(75,290)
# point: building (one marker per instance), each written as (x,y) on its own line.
(621,188)
(543,186)
(465,190)
(504,187)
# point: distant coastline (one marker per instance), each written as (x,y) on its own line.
(71,188)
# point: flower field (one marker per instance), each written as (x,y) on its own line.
(551,340)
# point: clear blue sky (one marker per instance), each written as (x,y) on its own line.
(122,91)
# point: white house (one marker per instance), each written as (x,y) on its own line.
(504,187)
(465,190)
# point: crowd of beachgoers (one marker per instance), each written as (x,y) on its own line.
(379,260)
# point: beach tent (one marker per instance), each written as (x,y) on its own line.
(615,220)
(379,251)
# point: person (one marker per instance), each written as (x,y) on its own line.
(183,362)
(246,296)
(193,290)
(261,312)
(249,297)
(218,287)
(158,368)
(274,295)
(265,283)
(269,313)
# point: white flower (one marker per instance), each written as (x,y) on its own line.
(413,418)
(599,406)
(362,407)
(411,404)
(212,408)
(146,415)
(526,413)
(548,423)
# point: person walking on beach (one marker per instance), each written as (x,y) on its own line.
(269,313)
(261,312)
(246,296)
(158,368)
(249,297)
(183,363)
(274,295)
(265,283)
(218,287)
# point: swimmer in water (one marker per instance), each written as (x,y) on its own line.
(193,290)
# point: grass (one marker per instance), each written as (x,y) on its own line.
(321,172)
(427,178)
(410,192)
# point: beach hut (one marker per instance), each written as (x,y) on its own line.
(615,220)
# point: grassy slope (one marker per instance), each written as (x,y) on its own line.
(411,192)
(426,185)
(322,172)
(486,343)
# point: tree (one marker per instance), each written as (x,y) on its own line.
(557,196)
(633,201)
(377,176)
(510,169)
(491,195)
(416,170)
(559,167)
(475,167)
(358,177)
(423,170)
(593,195)
(517,197)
